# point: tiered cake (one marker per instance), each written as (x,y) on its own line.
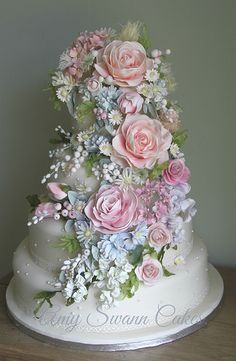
(111,260)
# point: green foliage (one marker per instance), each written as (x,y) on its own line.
(166,272)
(157,170)
(136,255)
(130,286)
(180,136)
(90,161)
(70,301)
(53,97)
(43,296)
(84,109)
(70,244)
(33,200)
(144,38)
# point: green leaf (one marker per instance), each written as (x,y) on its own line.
(43,296)
(33,200)
(166,272)
(144,38)
(161,254)
(157,170)
(65,188)
(53,97)
(69,243)
(84,109)
(70,301)
(136,255)
(180,136)
(90,161)
(130,286)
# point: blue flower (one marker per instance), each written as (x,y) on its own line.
(112,246)
(138,236)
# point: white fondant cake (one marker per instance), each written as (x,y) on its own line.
(110,260)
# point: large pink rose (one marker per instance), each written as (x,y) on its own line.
(45,210)
(158,235)
(130,102)
(150,270)
(112,209)
(125,61)
(176,173)
(140,141)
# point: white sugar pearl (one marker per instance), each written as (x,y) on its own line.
(84,153)
(80,148)
(67,158)
(168,51)
(77,154)
(73,170)
(111,166)
(57,217)
(58,206)
(64,212)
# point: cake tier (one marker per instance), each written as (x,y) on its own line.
(178,293)
(45,236)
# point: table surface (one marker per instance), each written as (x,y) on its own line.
(215,341)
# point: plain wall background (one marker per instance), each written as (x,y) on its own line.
(201,35)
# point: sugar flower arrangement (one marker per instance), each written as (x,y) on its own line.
(132,205)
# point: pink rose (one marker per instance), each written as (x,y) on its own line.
(150,270)
(93,85)
(176,173)
(130,102)
(56,191)
(125,61)
(45,210)
(140,141)
(158,235)
(112,209)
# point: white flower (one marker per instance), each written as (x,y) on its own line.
(146,90)
(174,150)
(60,79)
(115,117)
(63,93)
(84,232)
(179,260)
(126,178)
(65,61)
(152,75)
(105,148)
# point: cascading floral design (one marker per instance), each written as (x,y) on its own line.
(129,143)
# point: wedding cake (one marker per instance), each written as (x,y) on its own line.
(111,260)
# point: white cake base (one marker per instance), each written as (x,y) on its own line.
(175,327)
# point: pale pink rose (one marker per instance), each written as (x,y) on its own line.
(125,61)
(176,173)
(140,141)
(150,270)
(112,209)
(55,190)
(45,210)
(93,85)
(158,235)
(130,102)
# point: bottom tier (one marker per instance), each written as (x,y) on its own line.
(177,306)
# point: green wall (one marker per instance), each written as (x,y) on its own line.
(201,34)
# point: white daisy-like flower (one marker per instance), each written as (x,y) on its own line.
(105,148)
(84,232)
(59,78)
(63,93)
(115,117)
(174,150)
(179,260)
(146,90)
(152,75)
